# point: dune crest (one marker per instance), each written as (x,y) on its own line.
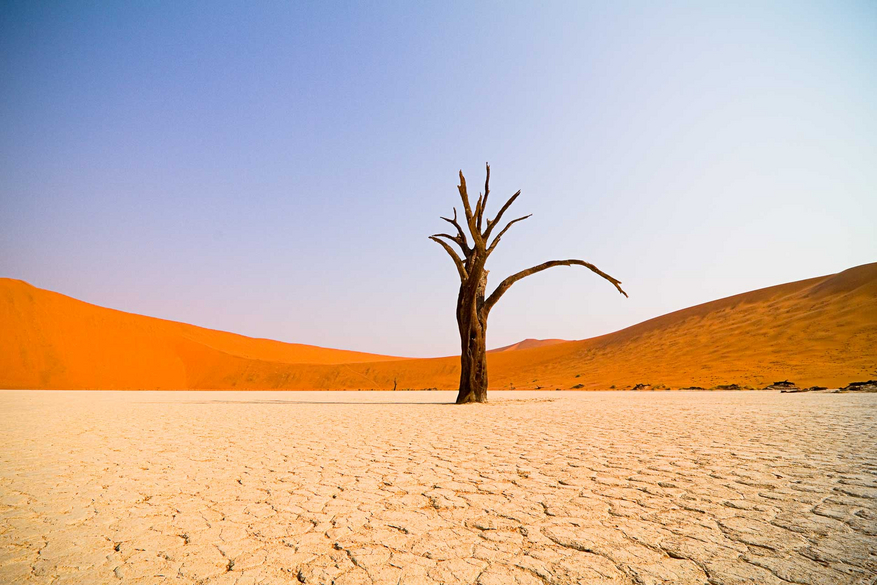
(816,332)
(528,344)
(54,341)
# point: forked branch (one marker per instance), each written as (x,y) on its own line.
(508,282)
(471,220)
(460,232)
(491,223)
(455,239)
(475,221)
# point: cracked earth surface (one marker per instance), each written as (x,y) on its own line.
(361,488)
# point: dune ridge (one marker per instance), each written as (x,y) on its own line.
(820,331)
(51,340)
(528,343)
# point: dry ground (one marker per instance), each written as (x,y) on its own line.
(261,487)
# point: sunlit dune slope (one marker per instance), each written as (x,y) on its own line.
(48,340)
(528,344)
(821,331)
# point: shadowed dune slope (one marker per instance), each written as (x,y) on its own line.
(50,340)
(821,331)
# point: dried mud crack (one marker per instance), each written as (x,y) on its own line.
(598,488)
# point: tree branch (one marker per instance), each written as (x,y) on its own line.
(482,204)
(508,282)
(504,230)
(464,195)
(486,186)
(470,218)
(460,231)
(491,223)
(459,263)
(455,239)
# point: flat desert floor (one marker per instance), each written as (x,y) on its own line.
(542,488)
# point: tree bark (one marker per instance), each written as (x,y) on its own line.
(472,323)
(472,308)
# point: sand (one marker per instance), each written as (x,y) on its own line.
(54,341)
(816,332)
(593,487)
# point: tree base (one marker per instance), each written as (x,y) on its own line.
(471,397)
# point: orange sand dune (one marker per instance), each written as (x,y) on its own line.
(529,344)
(53,341)
(821,331)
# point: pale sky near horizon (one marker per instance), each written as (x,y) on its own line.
(274,169)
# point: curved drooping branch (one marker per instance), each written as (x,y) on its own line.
(508,282)
(461,269)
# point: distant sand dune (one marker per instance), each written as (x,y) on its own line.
(53,341)
(820,331)
(529,344)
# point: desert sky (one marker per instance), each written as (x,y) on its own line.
(274,170)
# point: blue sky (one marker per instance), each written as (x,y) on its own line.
(274,169)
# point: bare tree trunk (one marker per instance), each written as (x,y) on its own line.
(472,307)
(472,322)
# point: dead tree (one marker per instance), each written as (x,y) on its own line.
(472,306)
